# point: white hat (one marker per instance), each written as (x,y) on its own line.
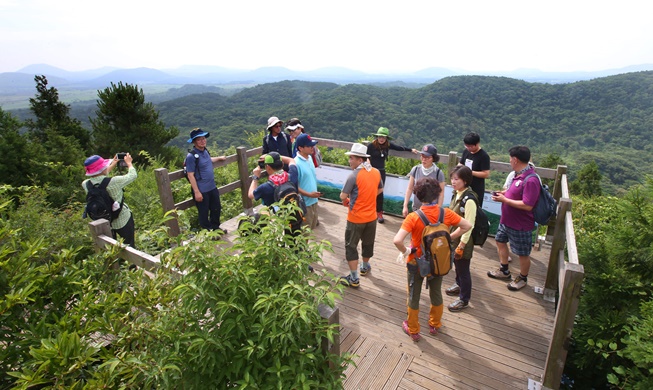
(273,121)
(359,150)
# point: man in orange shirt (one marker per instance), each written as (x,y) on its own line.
(359,194)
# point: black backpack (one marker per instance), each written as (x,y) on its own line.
(197,158)
(482,223)
(286,193)
(546,206)
(99,203)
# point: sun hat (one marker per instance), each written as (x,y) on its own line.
(197,132)
(95,165)
(305,140)
(293,124)
(429,150)
(383,132)
(273,121)
(359,150)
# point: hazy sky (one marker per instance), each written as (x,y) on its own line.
(371,36)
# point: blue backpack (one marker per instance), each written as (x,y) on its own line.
(546,206)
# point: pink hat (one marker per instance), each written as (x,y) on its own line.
(95,165)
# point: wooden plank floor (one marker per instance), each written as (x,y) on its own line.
(499,342)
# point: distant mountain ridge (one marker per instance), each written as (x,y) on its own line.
(16,82)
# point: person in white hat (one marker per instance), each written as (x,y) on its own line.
(359,195)
(276,140)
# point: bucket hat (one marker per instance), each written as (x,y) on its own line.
(383,132)
(359,150)
(273,121)
(95,165)
(197,132)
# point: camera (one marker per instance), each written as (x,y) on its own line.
(494,193)
(121,156)
(261,164)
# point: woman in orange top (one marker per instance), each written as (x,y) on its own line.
(427,190)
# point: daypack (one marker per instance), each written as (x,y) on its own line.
(437,256)
(481,224)
(317,157)
(197,159)
(99,204)
(546,206)
(286,193)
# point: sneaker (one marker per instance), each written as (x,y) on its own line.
(498,274)
(433,330)
(458,305)
(517,284)
(365,270)
(349,281)
(453,291)
(380,217)
(415,336)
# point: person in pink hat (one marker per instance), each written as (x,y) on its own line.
(98,169)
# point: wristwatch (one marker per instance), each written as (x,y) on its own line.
(254,177)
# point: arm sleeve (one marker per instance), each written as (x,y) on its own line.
(470,216)
(266,148)
(399,148)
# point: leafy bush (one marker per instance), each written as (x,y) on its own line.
(241,317)
(615,246)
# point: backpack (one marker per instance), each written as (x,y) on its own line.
(437,256)
(197,158)
(546,206)
(99,204)
(481,224)
(286,193)
(317,157)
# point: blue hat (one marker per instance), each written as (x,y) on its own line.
(305,140)
(197,132)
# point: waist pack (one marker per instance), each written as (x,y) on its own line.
(546,206)
(437,257)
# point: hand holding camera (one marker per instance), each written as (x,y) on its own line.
(124,159)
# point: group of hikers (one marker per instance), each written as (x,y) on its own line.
(291,156)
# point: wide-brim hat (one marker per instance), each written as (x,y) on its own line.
(383,132)
(359,150)
(273,121)
(305,140)
(95,164)
(197,132)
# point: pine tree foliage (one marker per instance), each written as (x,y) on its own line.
(126,123)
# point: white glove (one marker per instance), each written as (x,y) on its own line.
(402,256)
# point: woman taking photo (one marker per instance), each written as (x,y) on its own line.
(378,151)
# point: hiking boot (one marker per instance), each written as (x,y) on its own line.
(458,305)
(365,270)
(349,281)
(498,274)
(453,291)
(380,217)
(517,284)
(433,330)
(415,336)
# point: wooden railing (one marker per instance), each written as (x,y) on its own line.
(563,277)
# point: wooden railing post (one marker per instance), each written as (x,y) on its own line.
(557,195)
(453,161)
(332,315)
(243,174)
(100,227)
(558,243)
(563,325)
(167,201)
